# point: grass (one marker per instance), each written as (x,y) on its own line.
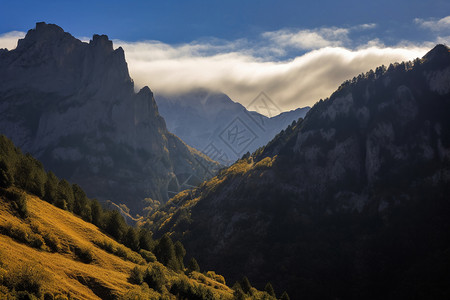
(69,258)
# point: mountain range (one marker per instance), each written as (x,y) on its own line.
(73,106)
(350,202)
(204,119)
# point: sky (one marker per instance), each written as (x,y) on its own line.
(297,52)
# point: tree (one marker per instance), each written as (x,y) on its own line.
(131,239)
(180,252)
(269,289)
(115,225)
(97,214)
(145,240)
(285,296)
(193,265)
(64,196)
(6,178)
(155,278)
(80,206)
(165,252)
(51,188)
(245,285)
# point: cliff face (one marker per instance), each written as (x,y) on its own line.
(349,203)
(72,105)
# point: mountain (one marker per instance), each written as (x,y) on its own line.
(72,105)
(81,251)
(203,120)
(351,202)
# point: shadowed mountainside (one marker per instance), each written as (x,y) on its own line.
(351,202)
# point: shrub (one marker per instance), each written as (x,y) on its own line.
(155,278)
(84,254)
(28,277)
(187,290)
(147,255)
(136,275)
(216,277)
(52,242)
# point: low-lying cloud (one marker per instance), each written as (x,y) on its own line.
(295,68)
(291,83)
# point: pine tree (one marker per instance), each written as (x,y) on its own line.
(165,252)
(115,225)
(285,296)
(246,286)
(51,188)
(180,252)
(193,265)
(131,239)
(6,178)
(269,289)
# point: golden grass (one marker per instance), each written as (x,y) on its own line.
(105,277)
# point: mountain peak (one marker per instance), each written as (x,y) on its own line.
(102,41)
(43,33)
(439,55)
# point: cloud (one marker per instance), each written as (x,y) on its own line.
(434,25)
(243,68)
(291,83)
(309,39)
(9,40)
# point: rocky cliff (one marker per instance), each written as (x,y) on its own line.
(350,202)
(72,105)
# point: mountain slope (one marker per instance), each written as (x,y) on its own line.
(201,117)
(72,105)
(349,203)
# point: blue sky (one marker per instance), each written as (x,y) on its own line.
(295,51)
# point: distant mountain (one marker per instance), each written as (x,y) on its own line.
(351,202)
(73,106)
(204,120)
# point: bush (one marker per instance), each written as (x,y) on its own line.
(52,242)
(27,277)
(187,290)
(84,254)
(216,277)
(155,278)
(136,275)
(19,201)
(147,255)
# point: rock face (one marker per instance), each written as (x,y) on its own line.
(202,119)
(351,202)
(73,106)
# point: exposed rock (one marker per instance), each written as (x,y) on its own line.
(73,106)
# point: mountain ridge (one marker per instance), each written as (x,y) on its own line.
(348,202)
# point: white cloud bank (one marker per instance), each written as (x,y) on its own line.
(242,75)
(435,25)
(276,64)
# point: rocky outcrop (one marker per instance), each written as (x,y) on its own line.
(73,106)
(349,203)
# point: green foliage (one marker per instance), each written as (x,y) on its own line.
(30,175)
(115,225)
(136,275)
(27,277)
(193,265)
(84,254)
(269,289)
(245,285)
(285,296)
(81,205)
(51,188)
(120,251)
(65,199)
(165,253)
(131,239)
(147,255)
(97,214)
(216,277)
(6,177)
(18,201)
(146,241)
(155,278)
(180,252)
(184,289)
